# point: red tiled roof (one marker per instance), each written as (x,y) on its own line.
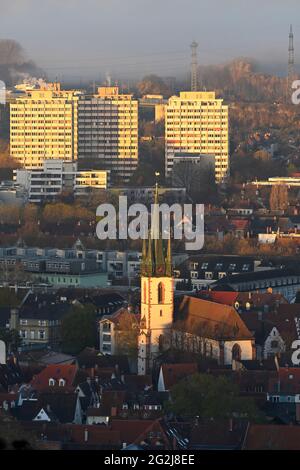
(56,372)
(210,320)
(289,380)
(260,299)
(221,297)
(173,373)
(120,314)
(272,437)
(240,224)
(9,397)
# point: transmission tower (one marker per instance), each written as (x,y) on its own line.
(291,63)
(194,67)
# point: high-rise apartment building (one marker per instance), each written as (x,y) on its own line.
(43,125)
(108,131)
(197,123)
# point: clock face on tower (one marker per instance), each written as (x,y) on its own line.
(160,269)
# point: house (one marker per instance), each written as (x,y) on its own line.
(39,323)
(171,374)
(225,435)
(110,329)
(119,434)
(285,387)
(203,270)
(213,330)
(55,377)
(54,406)
(274,331)
(284,281)
(272,437)
(94,362)
(109,407)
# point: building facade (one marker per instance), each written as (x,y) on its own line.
(108,131)
(57,176)
(43,125)
(157,301)
(197,123)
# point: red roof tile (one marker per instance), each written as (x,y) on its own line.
(173,373)
(221,297)
(56,372)
(211,320)
(272,437)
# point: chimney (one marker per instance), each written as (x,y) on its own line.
(14,319)
(86,435)
(230,425)
(113,411)
(259,315)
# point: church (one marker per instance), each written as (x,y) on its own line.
(196,325)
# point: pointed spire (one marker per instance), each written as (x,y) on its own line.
(149,259)
(169,259)
(154,259)
(144,258)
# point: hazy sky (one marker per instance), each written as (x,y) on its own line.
(90,37)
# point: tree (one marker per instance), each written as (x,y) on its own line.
(79,329)
(210,397)
(126,334)
(11,338)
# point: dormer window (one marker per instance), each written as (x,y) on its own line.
(62,382)
(51,382)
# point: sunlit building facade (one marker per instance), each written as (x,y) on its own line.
(108,131)
(197,123)
(43,126)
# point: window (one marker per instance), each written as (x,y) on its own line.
(42,334)
(160,290)
(62,382)
(274,344)
(236,352)
(208,275)
(51,382)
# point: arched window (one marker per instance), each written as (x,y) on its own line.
(160,293)
(236,352)
(51,382)
(62,382)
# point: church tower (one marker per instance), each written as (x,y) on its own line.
(157,296)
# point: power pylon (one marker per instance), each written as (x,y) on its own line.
(194,67)
(291,64)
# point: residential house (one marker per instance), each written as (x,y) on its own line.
(171,374)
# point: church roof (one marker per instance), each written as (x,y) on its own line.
(210,320)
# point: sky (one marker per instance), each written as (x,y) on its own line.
(131,38)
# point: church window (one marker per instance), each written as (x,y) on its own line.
(236,352)
(160,293)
